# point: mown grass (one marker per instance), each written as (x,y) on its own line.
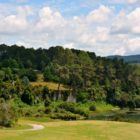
(17,127)
(77,130)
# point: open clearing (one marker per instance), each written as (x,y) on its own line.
(76,130)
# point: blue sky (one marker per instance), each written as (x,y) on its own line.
(106,27)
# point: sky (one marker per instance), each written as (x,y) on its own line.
(106,27)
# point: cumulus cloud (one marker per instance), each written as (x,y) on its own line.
(99,15)
(12,24)
(49,19)
(101,30)
(15,23)
(126,23)
(132,1)
(134,44)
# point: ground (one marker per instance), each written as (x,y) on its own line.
(75,130)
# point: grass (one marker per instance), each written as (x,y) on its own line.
(50,85)
(17,127)
(77,130)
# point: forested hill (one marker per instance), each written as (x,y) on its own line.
(39,58)
(89,78)
(129,59)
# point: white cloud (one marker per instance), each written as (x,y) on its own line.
(12,24)
(101,30)
(99,15)
(134,44)
(49,19)
(132,1)
(21,43)
(120,51)
(15,22)
(126,23)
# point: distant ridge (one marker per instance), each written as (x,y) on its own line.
(129,59)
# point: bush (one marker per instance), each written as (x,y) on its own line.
(68,106)
(82,97)
(27,97)
(8,115)
(137,101)
(131,105)
(47,102)
(48,110)
(65,116)
(82,112)
(118,117)
(73,108)
(92,108)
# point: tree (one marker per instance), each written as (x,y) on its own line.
(27,97)
(2,75)
(62,73)
(25,81)
(48,75)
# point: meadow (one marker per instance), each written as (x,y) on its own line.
(75,130)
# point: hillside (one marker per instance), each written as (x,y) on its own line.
(63,83)
(129,59)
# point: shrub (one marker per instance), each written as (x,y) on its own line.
(82,112)
(73,108)
(8,115)
(27,97)
(65,116)
(48,110)
(47,102)
(118,117)
(92,108)
(137,101)
(131,105)
(82,97)
(68,106)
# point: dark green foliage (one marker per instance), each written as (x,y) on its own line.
(92,108)
(137,101)
(82,97)
(47,102)
(27,97)
(131,105)
(73,108)
(68,106)
(48,110)
(29,73)
(65,116)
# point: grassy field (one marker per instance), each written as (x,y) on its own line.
(50,85)
(76,130)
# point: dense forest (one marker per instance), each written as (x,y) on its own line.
(87,78)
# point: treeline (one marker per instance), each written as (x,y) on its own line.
(89,78)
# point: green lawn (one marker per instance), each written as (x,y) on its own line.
(76,130)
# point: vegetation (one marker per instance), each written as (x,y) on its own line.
(8,114)
(65,84)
